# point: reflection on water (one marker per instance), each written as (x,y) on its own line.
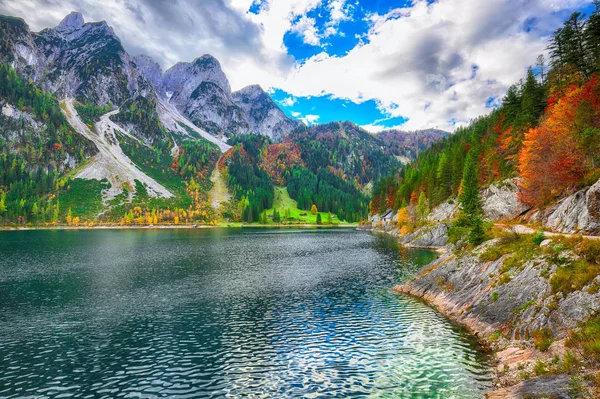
(222,313)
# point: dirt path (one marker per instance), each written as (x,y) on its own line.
(219,193)
(522,229)
(110,163)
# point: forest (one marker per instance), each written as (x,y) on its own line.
(254,164)
(32,161)
(546,132)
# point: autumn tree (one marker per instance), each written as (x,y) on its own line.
(314,210)
(554,154)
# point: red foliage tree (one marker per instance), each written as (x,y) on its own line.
(553,156)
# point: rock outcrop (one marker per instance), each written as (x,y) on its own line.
(443,212)
(500,201)
(578,213)
(435,236)
(506,305)
(262,114)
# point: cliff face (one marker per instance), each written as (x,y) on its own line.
(200,90)
(74,59)
(578,213)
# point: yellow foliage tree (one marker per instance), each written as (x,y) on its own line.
(403,216)
(314,210)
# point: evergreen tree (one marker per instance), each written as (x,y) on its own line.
(476,233)
(532,100)
(470,202)
(422,208)
(319,218)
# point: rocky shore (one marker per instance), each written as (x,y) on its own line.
(525,297)
(508,315)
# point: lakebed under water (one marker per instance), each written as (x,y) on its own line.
(219,313)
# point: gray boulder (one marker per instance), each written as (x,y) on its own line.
(579,212)
(500,200)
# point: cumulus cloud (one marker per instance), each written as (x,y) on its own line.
(435,63)
(306,28)
(288,102)
(309,119)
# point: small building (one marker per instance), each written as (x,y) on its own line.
(388,216)
(304,214)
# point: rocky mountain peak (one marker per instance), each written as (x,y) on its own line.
(249,93)
(185,77)
(150,69)
(71,22)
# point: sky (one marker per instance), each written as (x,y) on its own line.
(378,63)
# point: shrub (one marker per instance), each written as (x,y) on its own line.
(540,368)
(590,251)
(570,362)
(538,237)
(587,338)
(457,233)
(542,339)
(573,277)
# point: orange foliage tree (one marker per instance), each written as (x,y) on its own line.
(556,154)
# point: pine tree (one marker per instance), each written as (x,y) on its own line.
(476,233)
(470,202)
(422,208)
(319,218)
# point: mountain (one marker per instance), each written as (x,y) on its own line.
(356,153)
(76,59)
(200,91)
(87,61)
(408,145)
(91,134)
(262,114)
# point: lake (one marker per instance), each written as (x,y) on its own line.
(223,313)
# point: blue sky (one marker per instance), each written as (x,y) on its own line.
(379,63)
(318,34)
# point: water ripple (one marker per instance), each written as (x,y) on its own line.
(222,314)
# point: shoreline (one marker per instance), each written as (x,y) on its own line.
(504,357)
(176,227)
(509,355)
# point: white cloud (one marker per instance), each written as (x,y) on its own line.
(309,119)
(288,102)
(339,11)
(296,114)
(416,61)
(306,29)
